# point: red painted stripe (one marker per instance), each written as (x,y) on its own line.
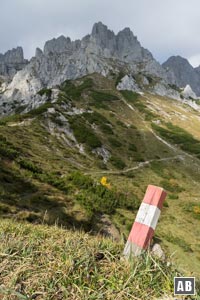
(141,235)
(155,196)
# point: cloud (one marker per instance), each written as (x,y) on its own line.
(164,27)
(195,60)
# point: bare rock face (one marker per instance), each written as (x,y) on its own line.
(128,83)
(184,73)
(102,51)
(11,62)
(188,93)
(163,89)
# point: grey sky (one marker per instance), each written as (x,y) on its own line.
(164,27)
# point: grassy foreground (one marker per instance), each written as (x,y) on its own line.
(41,262)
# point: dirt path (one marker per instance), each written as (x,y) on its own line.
(140,165)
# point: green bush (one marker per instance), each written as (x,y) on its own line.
(46,92)
(119,77)
(7,149)
(117,162)
(138,157)
(102,96)
(39,110)
(96,118)
(118,122)
(75,92)
(54,180)
(130,95)
(132,147)
(28,165)
(98,200)
(100,120)
(80,180)
(114,142)
(83,133)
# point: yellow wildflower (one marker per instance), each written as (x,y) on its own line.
(105,183)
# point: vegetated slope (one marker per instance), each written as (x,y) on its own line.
(41,262)
(54,157)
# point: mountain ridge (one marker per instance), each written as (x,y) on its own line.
(102,52)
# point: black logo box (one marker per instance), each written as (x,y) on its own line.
(184,285)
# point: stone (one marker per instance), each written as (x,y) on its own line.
(128,83)
(158,252)
(188,93)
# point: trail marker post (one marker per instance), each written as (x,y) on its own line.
(146,220)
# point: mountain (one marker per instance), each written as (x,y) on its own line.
(102,51)
(184,73)
(11,62)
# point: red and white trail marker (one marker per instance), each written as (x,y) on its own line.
(146,220)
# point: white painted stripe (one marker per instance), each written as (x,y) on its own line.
(148,215)
(132,249)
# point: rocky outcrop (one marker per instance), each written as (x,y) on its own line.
(163,89)
(183,73)
(128,83)
(188,93)
(11,62)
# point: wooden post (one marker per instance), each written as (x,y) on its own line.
(146,220)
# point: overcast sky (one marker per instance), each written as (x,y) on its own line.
(166,28)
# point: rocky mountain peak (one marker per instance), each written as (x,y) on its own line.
(99,28)
(101,52)
(38,53)
(57,45)
(184,73)
(177,60)
(14,56)
(103,37)
(197,69)
(11,62)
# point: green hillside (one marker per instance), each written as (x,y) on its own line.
(39,262)
(52,160)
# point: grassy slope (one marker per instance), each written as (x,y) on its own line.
(39,262)
(52,197)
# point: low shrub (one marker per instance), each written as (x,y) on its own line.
(132,147)
(114,142)
(7,149)
(83,133)
(29,165)
(130,95)
(75,92)
(46,92)
(102,96)
(117,162)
